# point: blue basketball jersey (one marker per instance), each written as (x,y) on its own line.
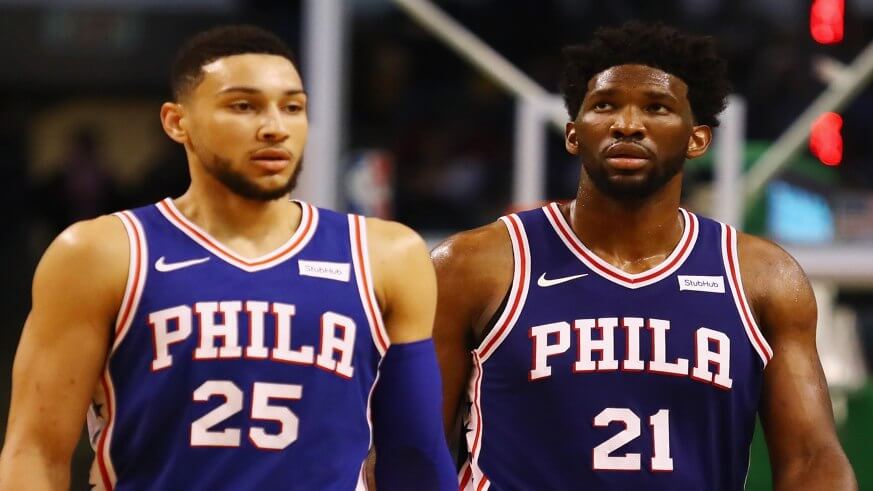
(593,378)
(235,373)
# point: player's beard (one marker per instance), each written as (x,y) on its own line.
(634,191)
(222,170)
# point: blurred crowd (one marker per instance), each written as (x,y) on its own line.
(446,128)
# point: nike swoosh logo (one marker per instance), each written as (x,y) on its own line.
(544,282)
(165,267)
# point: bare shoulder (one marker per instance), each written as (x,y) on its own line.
(92,254)
(775,284)
(387,238)
(395,250)
(474,272)
(397,254)
(102,238)
(480,251)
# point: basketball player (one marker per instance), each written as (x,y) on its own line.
(620,341)
(234,337)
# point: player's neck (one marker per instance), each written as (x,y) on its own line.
(633,236)
(249,227)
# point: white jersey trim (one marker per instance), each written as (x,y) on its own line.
(464,481)
(370,305)
(517,292)
(364,278)
(136,276)
(298,240)
(476,478)
(735,280)
(606,270)
(103,455)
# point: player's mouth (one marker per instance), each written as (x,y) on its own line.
(627,156)
(271,159)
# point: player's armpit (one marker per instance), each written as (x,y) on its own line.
(77,289)
(795,406)
(474,272)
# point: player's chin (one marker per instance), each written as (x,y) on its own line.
(630,186)
(278,188)
(264,188)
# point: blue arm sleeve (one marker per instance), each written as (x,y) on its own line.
(411,451)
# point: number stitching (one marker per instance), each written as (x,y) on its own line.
(602,458)
(262,392)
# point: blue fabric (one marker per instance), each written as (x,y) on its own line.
(154,409)
(541,431)
(411,451)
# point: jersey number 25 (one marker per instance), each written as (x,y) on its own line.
(202,434)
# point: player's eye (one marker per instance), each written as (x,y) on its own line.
(241,106)
(602,106)
(658,108)
(294,108)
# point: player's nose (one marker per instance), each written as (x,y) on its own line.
(272,127)
(628,123)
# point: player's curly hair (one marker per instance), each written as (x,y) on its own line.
(218,42)
(689,57)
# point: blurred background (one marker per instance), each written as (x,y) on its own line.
(444,115)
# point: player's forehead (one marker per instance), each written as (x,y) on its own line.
(262,72)
(639,78)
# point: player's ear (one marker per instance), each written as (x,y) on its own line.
(698,142)
(173,121)
(571,143)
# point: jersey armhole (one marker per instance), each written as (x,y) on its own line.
(735,283)
(136,276)
(364,278)
(103,469)
(512,306)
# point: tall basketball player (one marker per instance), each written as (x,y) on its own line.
(620,341)
(234,336)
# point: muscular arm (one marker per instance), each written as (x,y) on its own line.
(408,431)
(77,288)
(474,272)
(795,407)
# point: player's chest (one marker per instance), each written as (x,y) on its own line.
(583,336)
(281,317)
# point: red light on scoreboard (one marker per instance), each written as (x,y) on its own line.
(826,21)
(825,140)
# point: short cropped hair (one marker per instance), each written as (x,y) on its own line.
(219,42)
(689,57)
